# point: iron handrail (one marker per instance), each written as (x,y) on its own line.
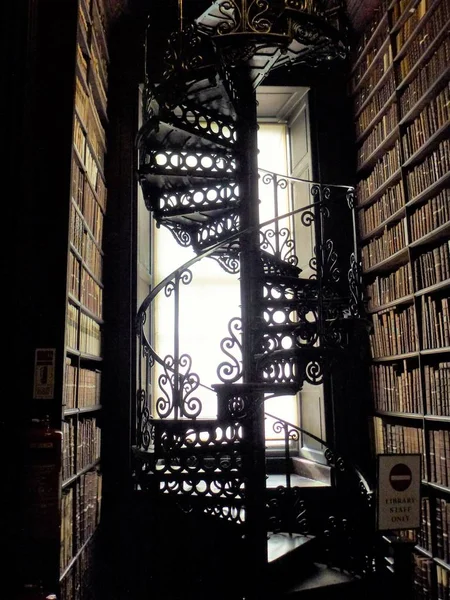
(333,458)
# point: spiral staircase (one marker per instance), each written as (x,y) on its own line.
(219,519)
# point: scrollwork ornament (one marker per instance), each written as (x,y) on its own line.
(314,372)
(231,18)
(268,178)
(231,372)
(351,198)
(229,263)
(257,22)
(287,249)
(183,237)
(332,273)
(307,218)
(355,287)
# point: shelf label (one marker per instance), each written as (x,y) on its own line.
(44,374)
(398,491)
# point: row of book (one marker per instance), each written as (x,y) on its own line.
(84,244)
(367,61)
(439,441)
(68,449)
(88,442)
(82,332)
(410,24)
(82,387)
(421,537)
(443,583)
(377,70)
(433,266)
(78,582)
(443,529)
(384,168)
(398,439)
(435,322)
(377,15)
(394,333)
(437,388)
(80,514)
(392,240)
(91,294)
(387,205)
(396,388)
(85,289)
(432,27)
(80,445)
(86,200)
(379,133)
(378,102)
(388,288)
(435,166)
(426,77)
(431,215)
(422,584)
(433,117)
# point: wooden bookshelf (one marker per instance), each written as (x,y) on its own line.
(69,316)
(402,113)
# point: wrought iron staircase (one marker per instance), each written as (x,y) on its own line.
(198,173)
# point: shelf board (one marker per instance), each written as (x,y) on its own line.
(85,310)
(403,300)
(424,99)
(437,486)
(388,141)
(441,563)
(77,475)
(86,226)
(396,357)
(76,557)
(386,265)
(444,349)
(439,232)
(86,409)
(428,146)
(394,217)
(433,288)
(383,21)
(92,357)
(394,178)
(400,415)
(432,190)
(444,418)
(423,551)
(85,267)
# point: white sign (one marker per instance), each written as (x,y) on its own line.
(399,481)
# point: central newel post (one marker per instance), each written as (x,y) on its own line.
(251,290)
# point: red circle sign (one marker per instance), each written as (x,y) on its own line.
(400,477)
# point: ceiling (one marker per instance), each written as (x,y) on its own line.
(359,12)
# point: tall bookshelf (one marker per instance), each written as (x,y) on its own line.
(68,331)
(400,90)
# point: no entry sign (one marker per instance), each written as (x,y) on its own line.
(398,491)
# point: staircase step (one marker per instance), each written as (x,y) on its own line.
(326,583)
(281,544)
(275,480)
